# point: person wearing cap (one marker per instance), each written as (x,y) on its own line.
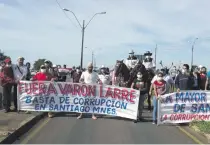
(43,75)
(131,61)
(7,80)
(131,55)
(104,76)
(89,77)
(148,61)
(20,71)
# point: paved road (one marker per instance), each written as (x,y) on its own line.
(65,128)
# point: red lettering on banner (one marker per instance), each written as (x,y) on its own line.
(184,117)
(35,88)
(64,90)
(28,88)
(125,94)
(20,87)
(175,117)
(92,90)
(101,91)
(70,89)
(85,91)
(132,97)
(77,90)
(117,93)
(51,89)
(109,92)
(165,117)
(42,88)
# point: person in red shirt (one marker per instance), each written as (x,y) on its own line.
(7,80)
(204,79)
(43,75)
(160,88)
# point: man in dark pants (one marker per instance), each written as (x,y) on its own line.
(20,71)
(7,82)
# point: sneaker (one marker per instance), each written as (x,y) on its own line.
(94,118)
(142,120)
(27,112)
(79,117)
(153,122)
(6,110)
(135,121)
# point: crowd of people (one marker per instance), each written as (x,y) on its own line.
(162,83)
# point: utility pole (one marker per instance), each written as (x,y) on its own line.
(83,30)
(83,33)
(193,52)
(192,56)
(92,56)
(156,55)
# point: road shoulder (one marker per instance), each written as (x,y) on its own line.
(13,125)
(196,136)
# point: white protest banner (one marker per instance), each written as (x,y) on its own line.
(72,97)
(184,107)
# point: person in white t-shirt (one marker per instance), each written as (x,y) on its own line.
(169,80)
(104,76)
(89,77)
(20,72)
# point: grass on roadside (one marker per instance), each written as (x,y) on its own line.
(203,126)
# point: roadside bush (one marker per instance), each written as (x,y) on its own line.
(203,126)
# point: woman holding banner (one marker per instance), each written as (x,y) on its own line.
(43,75)
(160,88)
(141,85)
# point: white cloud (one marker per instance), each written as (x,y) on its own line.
(38,28)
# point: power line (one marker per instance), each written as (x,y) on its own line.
(65,13)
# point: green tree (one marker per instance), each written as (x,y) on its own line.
(38,63)
(2,56)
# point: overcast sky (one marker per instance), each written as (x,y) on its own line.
(39,29)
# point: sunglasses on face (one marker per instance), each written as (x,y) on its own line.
(43,68)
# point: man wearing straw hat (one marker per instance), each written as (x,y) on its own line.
(89,77)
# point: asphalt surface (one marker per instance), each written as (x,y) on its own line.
(66,129)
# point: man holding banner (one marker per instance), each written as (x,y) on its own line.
(184,80)
(89,77)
